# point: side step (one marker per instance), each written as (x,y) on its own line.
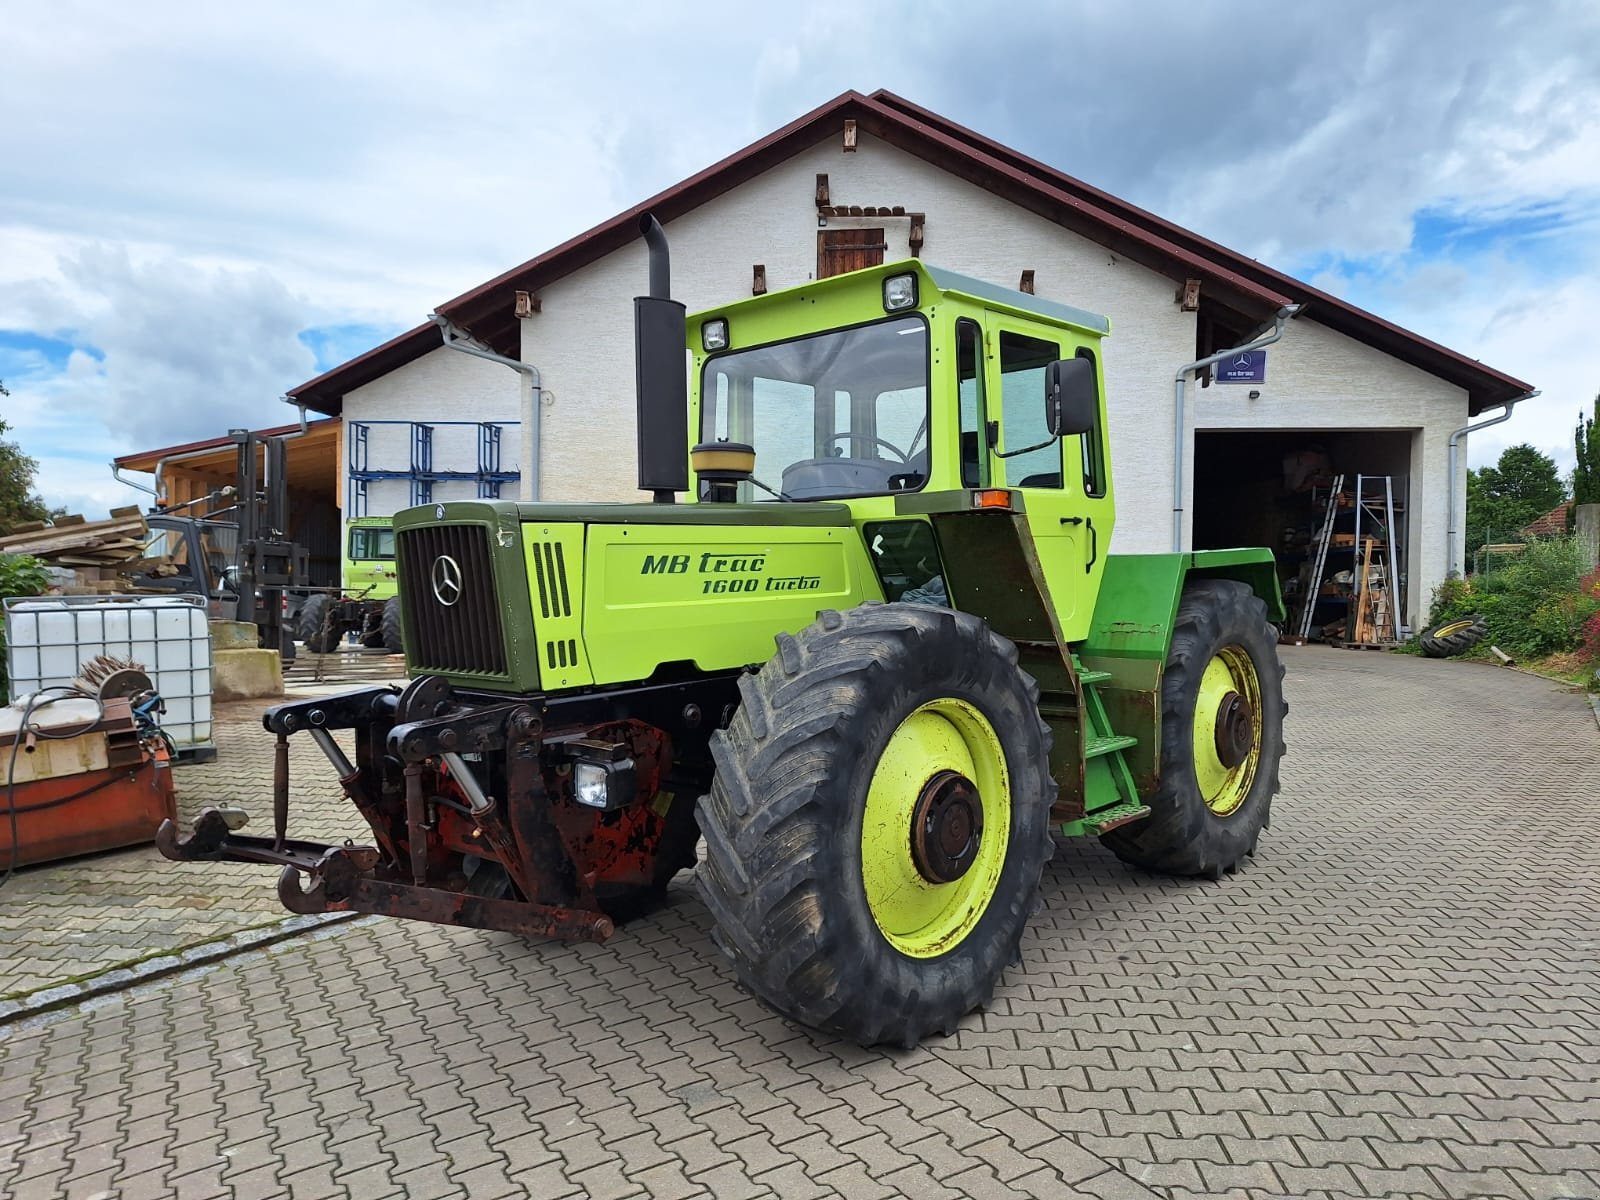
(1109,743)
(1109,818)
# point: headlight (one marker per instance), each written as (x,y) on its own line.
(602,776)
(589,782)
(714,334)
(899,292)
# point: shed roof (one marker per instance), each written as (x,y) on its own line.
(1229,278)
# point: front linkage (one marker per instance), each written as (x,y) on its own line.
(474,806)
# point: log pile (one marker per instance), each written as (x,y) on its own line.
(99,553)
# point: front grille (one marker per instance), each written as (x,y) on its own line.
(465,635)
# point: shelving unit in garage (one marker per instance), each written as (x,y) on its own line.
(1354,571)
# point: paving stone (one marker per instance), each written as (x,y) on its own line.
(1384,1002)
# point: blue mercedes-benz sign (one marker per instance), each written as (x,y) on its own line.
(1248,366)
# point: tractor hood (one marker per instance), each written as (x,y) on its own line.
(524,598)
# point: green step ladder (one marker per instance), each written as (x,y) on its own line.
(1103,751)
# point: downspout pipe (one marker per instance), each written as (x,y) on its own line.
(305,421)
(1452,565)
(1279,323)
(531,399)
(116,473)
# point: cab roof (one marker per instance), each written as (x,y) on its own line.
(938,279)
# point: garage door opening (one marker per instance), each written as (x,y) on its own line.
(1272,489)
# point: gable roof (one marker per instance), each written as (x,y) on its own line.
(1233,280)
(1552,524)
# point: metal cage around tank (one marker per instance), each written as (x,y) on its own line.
(49,638)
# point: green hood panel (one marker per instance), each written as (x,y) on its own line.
(711,595)
(602,594)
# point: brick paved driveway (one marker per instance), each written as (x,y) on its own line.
(82,917)
(1400,997)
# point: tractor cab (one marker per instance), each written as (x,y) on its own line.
(903,389)
(369,568)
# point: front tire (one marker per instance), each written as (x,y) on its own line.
(313,627)
(879,821)
(394,640)
(1222,713)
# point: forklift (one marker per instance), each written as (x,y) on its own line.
(238,555)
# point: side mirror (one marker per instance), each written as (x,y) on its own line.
(1071,397)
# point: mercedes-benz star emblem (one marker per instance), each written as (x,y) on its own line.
(446,580)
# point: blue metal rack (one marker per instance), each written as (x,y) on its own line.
(490,474)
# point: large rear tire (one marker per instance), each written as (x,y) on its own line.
(1222,713)
(394,640)
(879,821)
(314,629)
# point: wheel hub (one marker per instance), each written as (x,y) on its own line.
(946,827)
(1234,733)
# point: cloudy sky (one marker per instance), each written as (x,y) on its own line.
(202,205)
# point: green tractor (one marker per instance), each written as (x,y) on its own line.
(875,664)
(369,606)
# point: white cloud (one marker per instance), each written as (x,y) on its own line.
(185,352)
(196,183)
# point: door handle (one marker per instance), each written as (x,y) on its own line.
(1094,545)
(1072,520)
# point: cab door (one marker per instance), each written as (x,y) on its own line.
(1062,480)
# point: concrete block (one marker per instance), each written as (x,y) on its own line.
(1587,525)
(246,674)
(233,635)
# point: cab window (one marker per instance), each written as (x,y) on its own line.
(371,542)
(969,393)
(1023,360)
(1094,455)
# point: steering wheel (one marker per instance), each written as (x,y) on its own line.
(878,441)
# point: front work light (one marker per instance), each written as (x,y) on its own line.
(589,784)
(714,334)
(602,774)
(899,292)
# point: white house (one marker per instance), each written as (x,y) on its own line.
(865,179)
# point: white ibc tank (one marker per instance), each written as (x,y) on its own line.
(49,638)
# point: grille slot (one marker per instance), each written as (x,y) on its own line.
(563,653)
(550,573)
(466,635)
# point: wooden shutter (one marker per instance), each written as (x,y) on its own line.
(841,250)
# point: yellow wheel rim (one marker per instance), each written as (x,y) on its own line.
(1451,629)
(1227,730)
(942,771)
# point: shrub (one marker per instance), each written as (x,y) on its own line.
(1539,603)
(20,575)
(1589,591)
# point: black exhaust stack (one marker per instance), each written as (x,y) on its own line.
(661,381)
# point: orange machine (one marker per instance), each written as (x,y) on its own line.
(83,779)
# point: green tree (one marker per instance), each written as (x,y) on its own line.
(1586,475)
(1516,491)
(18,501)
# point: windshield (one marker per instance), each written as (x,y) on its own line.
(373,542)
(843,413)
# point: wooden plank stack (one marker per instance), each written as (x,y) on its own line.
(99,553)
